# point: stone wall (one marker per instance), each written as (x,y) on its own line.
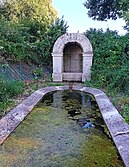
(72,58)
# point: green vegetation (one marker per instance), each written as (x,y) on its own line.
(28,41)
(39,10)
(111,59)
(8,89)
(28,30)
(105,9)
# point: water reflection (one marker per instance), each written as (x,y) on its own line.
(80,107)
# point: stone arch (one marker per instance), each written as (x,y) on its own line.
(58,52)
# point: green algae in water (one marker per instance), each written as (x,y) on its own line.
(52,135)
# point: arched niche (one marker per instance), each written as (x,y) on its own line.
(72,58)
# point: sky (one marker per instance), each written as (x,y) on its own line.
(77,19)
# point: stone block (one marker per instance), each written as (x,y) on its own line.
(57,77)
(86,76)
(72,76)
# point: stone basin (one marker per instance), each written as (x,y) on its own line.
(119,130)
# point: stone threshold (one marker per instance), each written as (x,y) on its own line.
(118,129)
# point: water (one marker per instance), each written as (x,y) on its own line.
(64,130)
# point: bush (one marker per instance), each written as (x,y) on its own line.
(110,60)
(14,88)
(29,40)
(9,89)
(125,113)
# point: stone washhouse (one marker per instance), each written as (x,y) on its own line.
(72,58)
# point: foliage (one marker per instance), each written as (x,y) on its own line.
(37,72)
(39,10)
(125,113)
(45,45)
(111,60)
(106,9)
(8,89)
(126,18)
(29,41)
(13,40)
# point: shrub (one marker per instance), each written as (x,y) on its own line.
(29,40)
(14,88)
(110,60)
(8,89)
(125,113)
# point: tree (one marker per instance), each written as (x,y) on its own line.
(39,10)
(29,42)
(106,9)
(126,17)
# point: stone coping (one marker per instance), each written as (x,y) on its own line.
(119,130)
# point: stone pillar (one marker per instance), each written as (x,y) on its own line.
(57,66)
(87,63)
